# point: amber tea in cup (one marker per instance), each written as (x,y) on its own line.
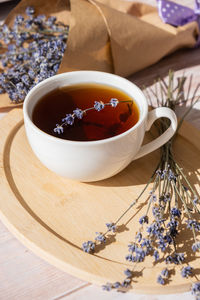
(95,125)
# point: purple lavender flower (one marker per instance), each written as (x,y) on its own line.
(126,282)
(186,271)
(51,20)
(195,200)
(169,259)
(78,113)
(132,247)
(155,229)
(129,257)
(56,67)
(69,119)
(107,287)
(162,245)
(39,20)
(19,20)
(140,254)
(138,237)
(58,129)
(30,11)
(144,219)
(98,105)
(196,246)
(193,223)
(31,74)
(156,213)
(11,48)
(116,285)
(4,62)
(175,212)
(165,198)
(100,237)
(177,258)
(173,227)
(154,198)
(114,102)
(13,96)
(5,29)
(160,280)
(147,244)
(196,290)
(128,273)
(156,255)
(168,238)
(88,246)
(25,79)
(159,173)
(165,273)
(111,226)
(28,23)
(171,176)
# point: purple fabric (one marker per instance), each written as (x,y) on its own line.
(179,15)
(197,7)
(176,14)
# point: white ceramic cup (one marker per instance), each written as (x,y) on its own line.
(94,160)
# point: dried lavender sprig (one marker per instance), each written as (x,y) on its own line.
(186,209)
(175,258)
(145,247)
(114,224)
(196,290)
(35,47)
(79,113)
(170,183)
(178,170)
(124,284)
(101,237)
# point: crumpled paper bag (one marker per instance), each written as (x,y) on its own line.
(115,36)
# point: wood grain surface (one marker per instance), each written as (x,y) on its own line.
(24,275)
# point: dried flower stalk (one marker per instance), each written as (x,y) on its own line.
(172,196)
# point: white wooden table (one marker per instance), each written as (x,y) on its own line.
(25,276)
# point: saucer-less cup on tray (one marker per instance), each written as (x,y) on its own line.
(94,160)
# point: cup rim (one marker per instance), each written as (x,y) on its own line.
(83,143)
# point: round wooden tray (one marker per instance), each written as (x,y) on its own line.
(53,216)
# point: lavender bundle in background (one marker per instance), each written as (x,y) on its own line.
(32,51)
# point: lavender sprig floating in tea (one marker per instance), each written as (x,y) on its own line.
(31,51)
(172,197)
(79,113)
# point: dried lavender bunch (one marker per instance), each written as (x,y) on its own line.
(31,51)
(79,113)
(172,196)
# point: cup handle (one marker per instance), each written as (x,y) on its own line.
(163,138)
